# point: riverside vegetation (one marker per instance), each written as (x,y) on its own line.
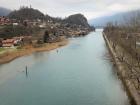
(125,41)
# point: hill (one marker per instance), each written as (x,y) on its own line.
(26,13)
(119,18)
(67,26)
(4,11)
(33,14)
(77,19)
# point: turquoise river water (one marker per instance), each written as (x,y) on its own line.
(78,74)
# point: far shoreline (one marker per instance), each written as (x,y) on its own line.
(8,57)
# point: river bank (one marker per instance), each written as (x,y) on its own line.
(27,50)
(122,70)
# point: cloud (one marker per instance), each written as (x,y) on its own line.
(117,7)
(74,1)
(62,8)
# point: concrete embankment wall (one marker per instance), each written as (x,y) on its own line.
(131,90)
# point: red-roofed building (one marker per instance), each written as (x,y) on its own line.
(4,21)
(8,43)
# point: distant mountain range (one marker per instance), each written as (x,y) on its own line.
(119,18)
(74,19)
(4,11)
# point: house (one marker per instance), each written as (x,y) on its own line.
(15,24)
(8,43)
(5,21)
(43,25)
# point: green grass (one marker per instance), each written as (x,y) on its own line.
(2,49)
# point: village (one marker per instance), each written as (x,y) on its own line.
(19,39)
(55,30)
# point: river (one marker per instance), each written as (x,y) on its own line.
(76,74)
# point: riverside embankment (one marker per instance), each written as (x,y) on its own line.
(122,70)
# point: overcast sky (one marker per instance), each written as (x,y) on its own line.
(62,8)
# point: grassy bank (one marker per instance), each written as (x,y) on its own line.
(11,55)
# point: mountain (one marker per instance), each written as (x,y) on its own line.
(33,14)
(26,13)
(102,21)
(77,19)
(120,18)
(4,11)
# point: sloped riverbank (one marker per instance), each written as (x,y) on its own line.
(27,50)
(122,69)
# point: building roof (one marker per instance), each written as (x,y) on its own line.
(8,41)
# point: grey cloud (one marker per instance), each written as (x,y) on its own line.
(62,8)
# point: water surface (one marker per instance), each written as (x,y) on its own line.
(78,74)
